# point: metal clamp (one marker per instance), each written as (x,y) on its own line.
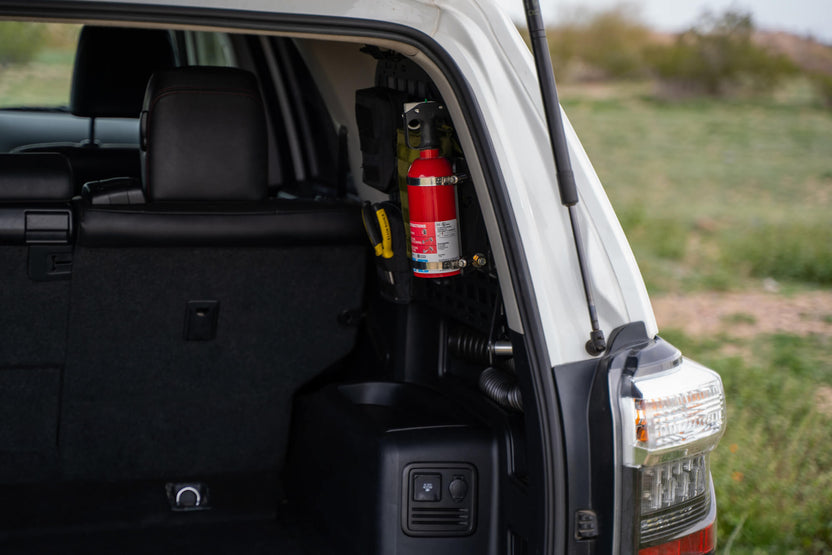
(434,181)
(444,265)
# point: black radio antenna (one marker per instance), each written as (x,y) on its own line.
(563,167)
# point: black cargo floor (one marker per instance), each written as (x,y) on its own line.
(255,538)
(247,515)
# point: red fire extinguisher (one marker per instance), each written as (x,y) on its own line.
(431,197)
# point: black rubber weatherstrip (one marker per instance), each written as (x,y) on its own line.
(551,438)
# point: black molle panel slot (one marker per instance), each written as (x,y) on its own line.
(201,320)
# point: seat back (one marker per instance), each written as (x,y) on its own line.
(197,315)
(36,227)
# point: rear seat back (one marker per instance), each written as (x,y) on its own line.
(204,136)
(34,178)
(35,263)
(197,315)
(34,192)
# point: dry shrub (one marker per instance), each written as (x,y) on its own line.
(717,56)
(607,44)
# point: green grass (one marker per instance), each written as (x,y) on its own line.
(794,250)
(773,468)
(712,192)
(43,82)
(40,74)
(740,318)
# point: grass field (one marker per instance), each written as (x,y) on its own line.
(712,193)
(720,195)
(45,80)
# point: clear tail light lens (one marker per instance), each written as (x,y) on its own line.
(673,483)
(672,414)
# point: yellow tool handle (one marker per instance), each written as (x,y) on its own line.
(386,234)
(370,228)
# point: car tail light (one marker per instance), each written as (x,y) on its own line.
(672,416)
(675,408)
(698,543)
(672,483)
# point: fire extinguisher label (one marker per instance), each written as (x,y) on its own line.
(434,245)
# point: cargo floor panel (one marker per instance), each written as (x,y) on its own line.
(244,514)
(250,537)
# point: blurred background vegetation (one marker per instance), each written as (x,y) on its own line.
(36,63)
(715,147)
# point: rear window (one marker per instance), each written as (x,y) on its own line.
(205,48)
(36,64)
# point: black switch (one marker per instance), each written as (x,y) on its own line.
(586,525)
(427,487)
(458,488)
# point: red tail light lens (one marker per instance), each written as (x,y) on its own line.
(698,543)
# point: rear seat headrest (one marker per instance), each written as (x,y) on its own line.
(112,66)
(204,136)
(35,177)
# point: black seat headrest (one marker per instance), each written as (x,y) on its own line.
(204,136)
(112,66)
(35,177)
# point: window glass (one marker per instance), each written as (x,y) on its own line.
(36,64)
(207,48)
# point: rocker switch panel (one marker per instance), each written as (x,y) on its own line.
(439,499)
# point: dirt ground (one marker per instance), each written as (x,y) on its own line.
(745,314)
